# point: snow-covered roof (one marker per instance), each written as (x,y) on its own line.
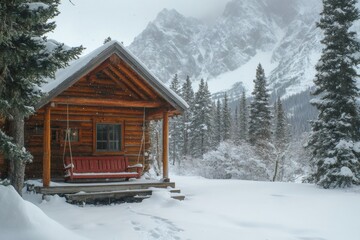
(78,68)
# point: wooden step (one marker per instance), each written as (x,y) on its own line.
(175,190)
(106,197)
(89,188)
(116,196)
(178,197)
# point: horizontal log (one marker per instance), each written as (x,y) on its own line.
(122,110)
(106,102)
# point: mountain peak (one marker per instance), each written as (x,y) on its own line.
(282,30)
(168,15)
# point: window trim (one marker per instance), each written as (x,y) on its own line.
(122,136)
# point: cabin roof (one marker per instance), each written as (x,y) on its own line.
(78,68)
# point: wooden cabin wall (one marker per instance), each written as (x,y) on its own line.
(82,118)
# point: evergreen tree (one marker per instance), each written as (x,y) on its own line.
(236,128)
(187,93)
(260,114)
(280,131)
(175,141)
(27,57)
(243,118)
(175,84)
(217,124)
(281,138)
(226,119)
(106,40)
(201,122)
(334,141)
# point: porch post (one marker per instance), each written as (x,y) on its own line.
(47,147)
(165,146)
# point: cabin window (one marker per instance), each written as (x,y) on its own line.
(54,135)
(73,135)
(108,137)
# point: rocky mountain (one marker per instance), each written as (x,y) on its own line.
(280,34)
(283,29)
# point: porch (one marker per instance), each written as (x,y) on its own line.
(108,192)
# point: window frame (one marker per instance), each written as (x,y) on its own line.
(121,123)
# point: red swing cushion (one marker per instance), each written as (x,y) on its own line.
(100,167)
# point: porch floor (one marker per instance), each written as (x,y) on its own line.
(106,193)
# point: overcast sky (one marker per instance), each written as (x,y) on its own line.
(89,22)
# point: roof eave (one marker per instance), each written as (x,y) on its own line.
(134,63)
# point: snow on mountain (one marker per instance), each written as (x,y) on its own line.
(279,34)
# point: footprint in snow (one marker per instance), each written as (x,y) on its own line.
(163,230)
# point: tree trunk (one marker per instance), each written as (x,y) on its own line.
(174,152)
(157,158)
(16,166)
(276,170)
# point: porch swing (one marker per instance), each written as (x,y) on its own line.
(99,167)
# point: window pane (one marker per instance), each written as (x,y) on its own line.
(108,137)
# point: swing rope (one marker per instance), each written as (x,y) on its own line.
(142,140)
(67,138)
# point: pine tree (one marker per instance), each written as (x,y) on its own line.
(106,40)
(280,132)
(175,84)
(26,59)
(226,119)
(175,141)
(217,124)
(187,94)
(281,137)
(260,114)
(334,141)
(236,126)
(201,122)
(243,118)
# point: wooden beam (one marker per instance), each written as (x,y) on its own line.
(156,114)
(138,81)
(114,75)
(47,148)
(106,102)
(165,146)
(101,67)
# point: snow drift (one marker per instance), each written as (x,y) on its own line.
(20,219)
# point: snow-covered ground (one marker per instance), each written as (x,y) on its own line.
(213,209)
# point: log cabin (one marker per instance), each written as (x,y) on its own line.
(99,106)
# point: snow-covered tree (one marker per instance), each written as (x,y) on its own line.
(187,93)
(108,39)
(281,126)
(281,138)
(155,150)
(260,114)
(235,127)
(226,119)
(334,141)
(243,118)
(217,123)
(201,121)
(27,57)
(230,161)
(176,132)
